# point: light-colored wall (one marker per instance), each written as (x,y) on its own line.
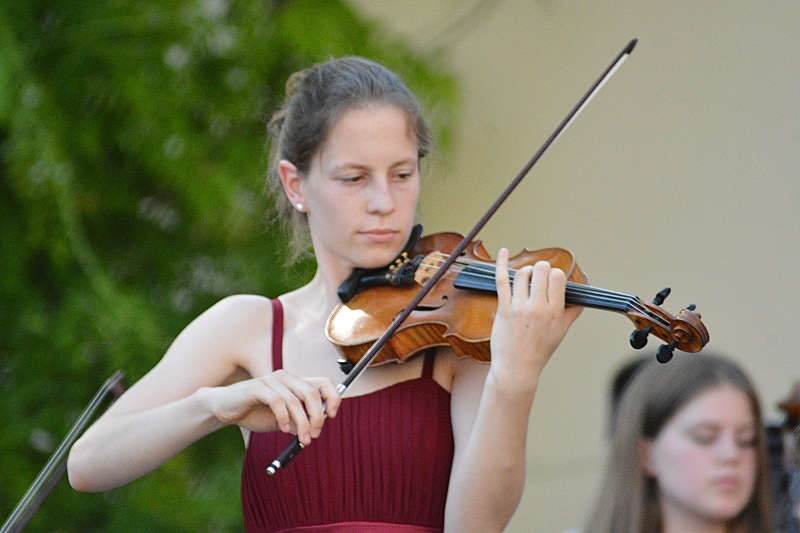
(683,171)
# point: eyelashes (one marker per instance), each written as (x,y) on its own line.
(710,438)
(402,176)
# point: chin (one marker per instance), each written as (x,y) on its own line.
(725,511)
(379,255)
(377,260)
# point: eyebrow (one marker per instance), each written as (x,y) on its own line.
(359,166)
(348,166)
(409,161)
(715,426)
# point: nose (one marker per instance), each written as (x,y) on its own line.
(728,449)
(380,200)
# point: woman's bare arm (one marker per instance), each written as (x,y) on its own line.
(491,407)
(190,394)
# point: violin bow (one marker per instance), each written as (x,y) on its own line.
(56,465)
(295,446)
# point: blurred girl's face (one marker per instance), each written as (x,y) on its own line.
(704,458)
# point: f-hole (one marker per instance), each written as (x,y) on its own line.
(432,307)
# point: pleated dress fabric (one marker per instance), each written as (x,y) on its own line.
(383,464)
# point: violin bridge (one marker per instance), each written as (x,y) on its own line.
(427,268)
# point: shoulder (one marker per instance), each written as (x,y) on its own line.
(242,303)
(239,309)
(237,314)
(234,327)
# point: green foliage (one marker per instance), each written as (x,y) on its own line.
(131,167)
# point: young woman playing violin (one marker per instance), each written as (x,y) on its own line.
(437,443)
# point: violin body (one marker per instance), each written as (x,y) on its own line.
(447,316)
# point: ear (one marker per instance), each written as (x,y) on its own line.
(646,457)
(292,183)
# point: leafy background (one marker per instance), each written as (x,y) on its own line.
(132,157)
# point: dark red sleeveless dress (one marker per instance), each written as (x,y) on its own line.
(383,464)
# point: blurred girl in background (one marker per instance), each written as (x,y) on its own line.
(688,453)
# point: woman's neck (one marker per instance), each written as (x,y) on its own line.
(331,273)
(319,294)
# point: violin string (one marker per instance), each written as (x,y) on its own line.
(486,271)
(489,269)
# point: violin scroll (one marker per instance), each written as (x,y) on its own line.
(684,331)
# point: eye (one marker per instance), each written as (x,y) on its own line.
(404,174)
(353,179)
(704,437)
(746,440)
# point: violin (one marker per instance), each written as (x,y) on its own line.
(459,310)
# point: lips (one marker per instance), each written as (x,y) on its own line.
(379,235)
(727,483)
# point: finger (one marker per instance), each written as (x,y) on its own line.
(293,405)
(275,403)
(329,394)
(541,277)
(522,284)
(556,287)
(312,402)
(501,279)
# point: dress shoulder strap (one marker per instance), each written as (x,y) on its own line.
(277,334)
(427,368)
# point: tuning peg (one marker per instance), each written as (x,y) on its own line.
(691,307)
(345,365)
(662,295)
(664,352)
(639,337)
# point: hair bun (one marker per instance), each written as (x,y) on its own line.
(275,123)
(294,81)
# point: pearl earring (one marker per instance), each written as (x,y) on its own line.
(299,206)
